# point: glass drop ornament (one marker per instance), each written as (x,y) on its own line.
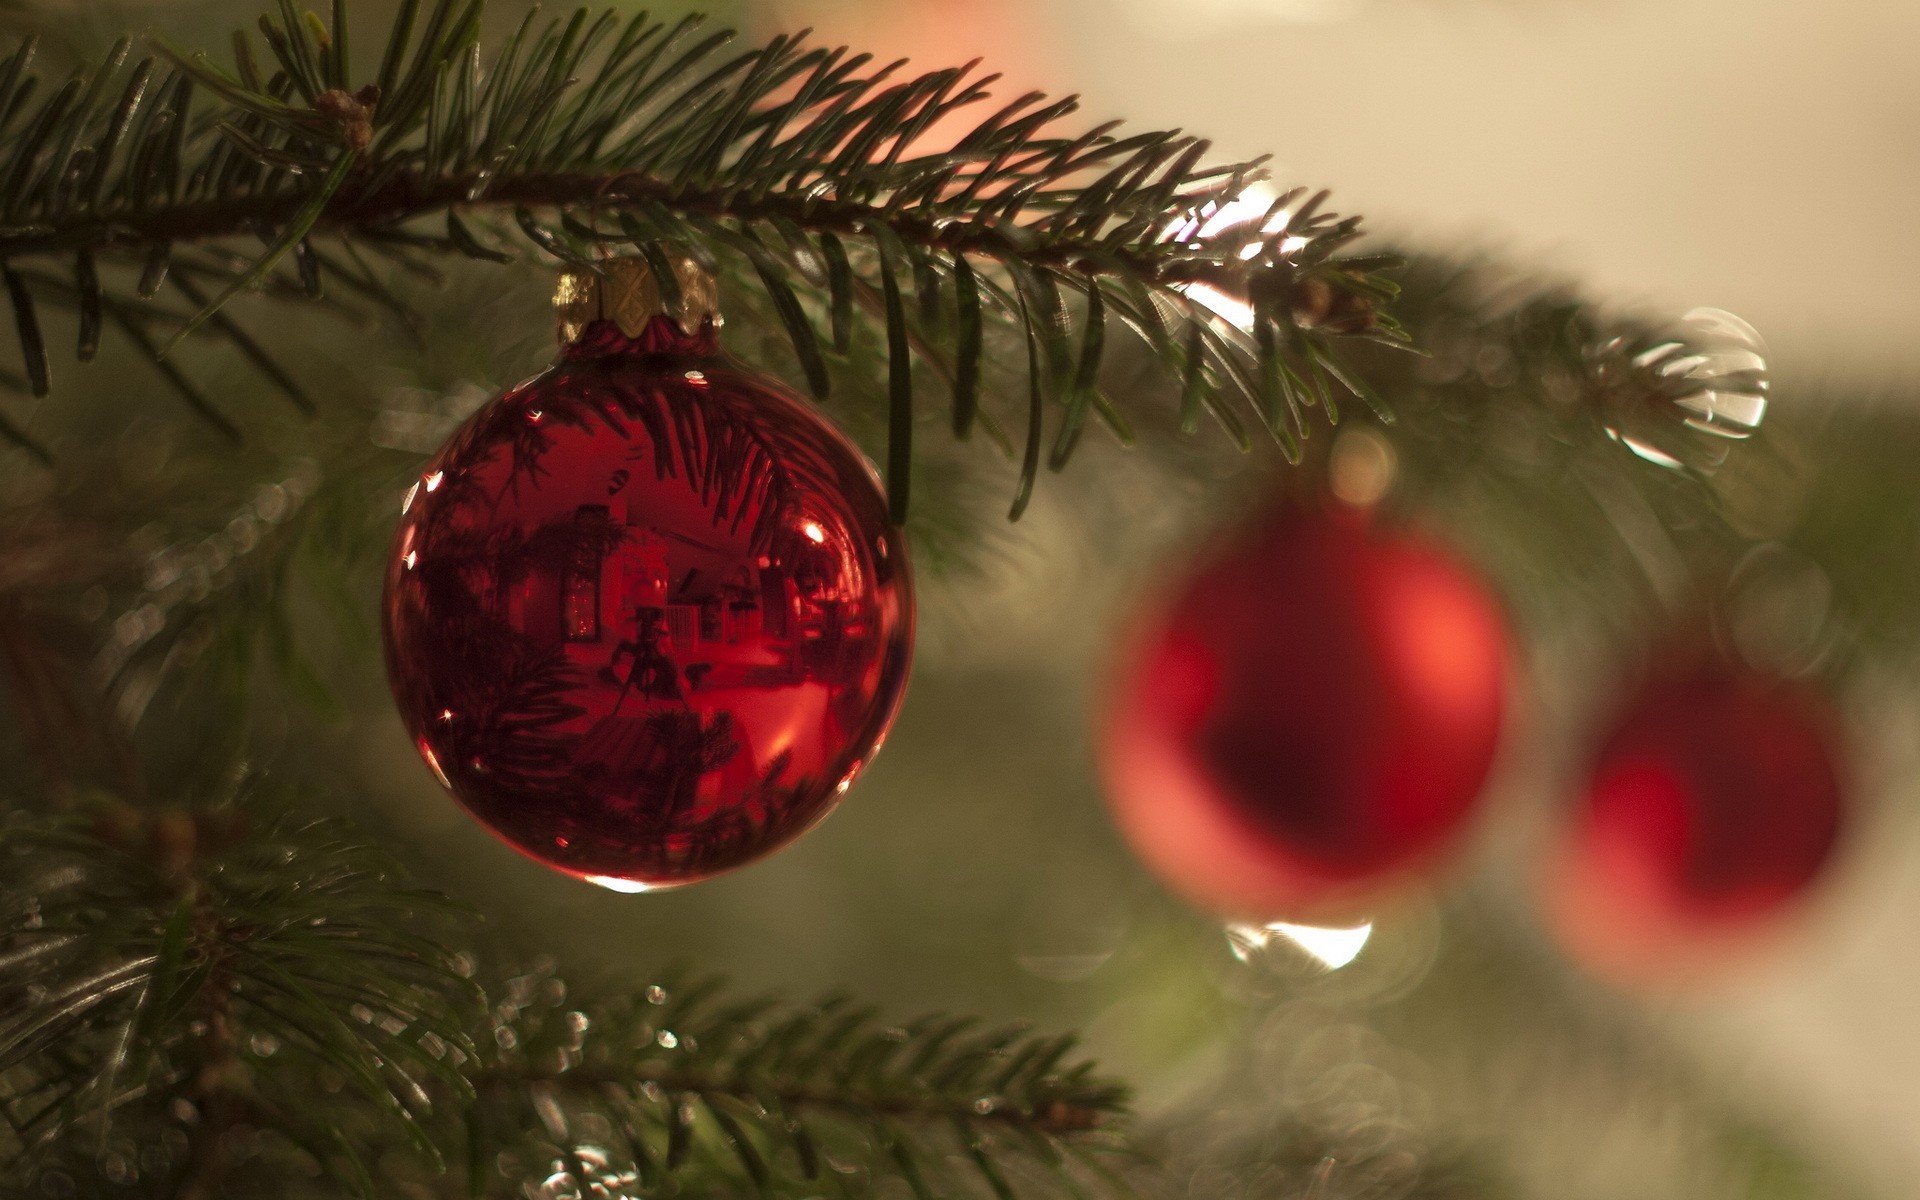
(1713,806)
(646,617)
(1306,717)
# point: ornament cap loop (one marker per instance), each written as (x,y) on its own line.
(624,291)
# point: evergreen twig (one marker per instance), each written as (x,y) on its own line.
(774,1090)
(177,970)
(812,166)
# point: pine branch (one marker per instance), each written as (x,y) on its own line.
(1524,417)
(174,970)
(172,976)
(775,1092)
(814,172)
(1651,386)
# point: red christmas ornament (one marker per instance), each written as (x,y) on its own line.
(1713,806)
(1313,714)
(646,617)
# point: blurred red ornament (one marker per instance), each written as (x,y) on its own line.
(646,617)
(1713,806)
(1311,717)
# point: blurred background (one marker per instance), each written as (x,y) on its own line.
(1757,156)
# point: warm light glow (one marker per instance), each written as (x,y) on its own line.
(1234,312)
(1331,947)
(814,533)
(1447,641)
(407,503)
(412,558)
(1361,472)
(1250,205)
(434,480)
(631,887)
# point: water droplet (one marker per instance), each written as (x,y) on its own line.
(666,1039)
(656,994)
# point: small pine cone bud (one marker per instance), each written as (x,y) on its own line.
(336,104)
(1061,1116)
(351,112)
(1313,299)
(1318,304)
(1354,315)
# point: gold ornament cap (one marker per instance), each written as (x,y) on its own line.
(624,291)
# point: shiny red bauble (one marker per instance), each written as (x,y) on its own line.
(646,617)
(1308,716)
(1713,805)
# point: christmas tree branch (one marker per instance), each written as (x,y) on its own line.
(1525,382)
(813,172)
(165,969)
(175,975)
(783,1091)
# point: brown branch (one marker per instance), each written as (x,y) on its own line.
(397,198)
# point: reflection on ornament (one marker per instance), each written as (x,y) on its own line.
(646,616)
